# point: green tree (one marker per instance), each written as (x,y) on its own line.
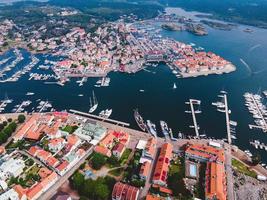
(256,159)
(113,160)
(2,127)
(101,191)
(88,189)
(97,161)
(9,120)
(21,118)
(77,181)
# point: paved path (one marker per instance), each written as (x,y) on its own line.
(229,174)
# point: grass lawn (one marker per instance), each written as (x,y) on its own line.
(125,156)
(69,129)
(33,170)
(242,168)
(176,167)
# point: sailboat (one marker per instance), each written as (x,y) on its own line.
(174,86)
(94,104)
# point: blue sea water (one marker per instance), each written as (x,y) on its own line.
(159,101)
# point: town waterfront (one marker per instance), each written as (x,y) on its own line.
(160,101)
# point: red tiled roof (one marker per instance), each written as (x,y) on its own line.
(62,166)
(102,150)
(118,147)
(162,165)
(124,192)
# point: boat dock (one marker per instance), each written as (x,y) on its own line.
(193,112)
(43,106)
(256,107)
(99,118)
(257,144)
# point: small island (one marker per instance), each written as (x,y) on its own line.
(171,27)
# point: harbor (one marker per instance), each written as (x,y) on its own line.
(258,111)
(157,99)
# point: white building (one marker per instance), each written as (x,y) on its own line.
(11,168)
(10,195)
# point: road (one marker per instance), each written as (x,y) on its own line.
(53,190)
(229,173)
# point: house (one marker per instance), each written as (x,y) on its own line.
(150,147)
(162,165)
(204,153)
(144,171)
(56,144)
(35,191)
(121,137)
(102,150)
(73,142)
(215,181)
(40,124)
(123,191)
(11,168)
(118,150)
(91,132)
(43,156)
(11,194)
(215,186)
(62,168)
(107,141)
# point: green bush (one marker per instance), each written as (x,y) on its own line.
(21,118)
(98,160)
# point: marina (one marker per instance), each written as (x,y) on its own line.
(168,107)
(254,104)
(258,145)
(21,107)
(103,82)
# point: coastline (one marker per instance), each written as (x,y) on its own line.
(140,135)
(226,70)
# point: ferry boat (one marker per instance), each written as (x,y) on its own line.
(139,120)
(151,128)
(94,104)
(105,113)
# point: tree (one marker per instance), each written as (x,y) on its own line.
(2,127)
(113,160)
(4,123)
(77,181)
(21,118)
(9,120)
(88,189)
(256,159)
(101,191)
(175,180)
(97,161)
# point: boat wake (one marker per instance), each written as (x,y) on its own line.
(250,70)
(246,65)
(254,47)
